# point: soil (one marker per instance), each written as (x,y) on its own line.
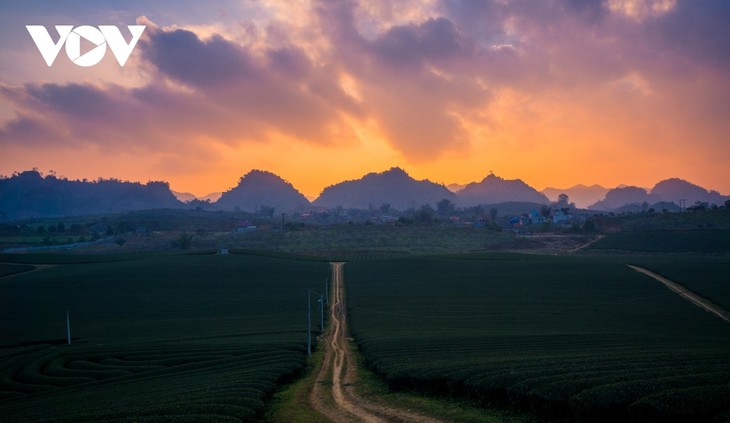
(334,394)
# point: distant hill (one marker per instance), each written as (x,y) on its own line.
(455,187)
(495,190)
(582,195)
(631,199)
(186,196)
(621,197)
(30,194)
(394,187)
(674,189)
(260,188)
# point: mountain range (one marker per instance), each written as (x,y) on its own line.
(674,190)
(393,187)
(259,190)
(495,190)
(30,194)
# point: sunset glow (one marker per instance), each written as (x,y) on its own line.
(555,93)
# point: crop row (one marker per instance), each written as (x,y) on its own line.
(223,379)
(579,338)
(163,338)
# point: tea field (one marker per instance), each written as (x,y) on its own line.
(576,338)
(156,338)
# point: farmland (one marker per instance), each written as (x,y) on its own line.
(667,241)
(560,337)
(155,337)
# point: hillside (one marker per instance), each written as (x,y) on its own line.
(30,194)
(674,189)
(495,190)
(582,195)
(394,187)
(631,199)
(623,196)
(259,189)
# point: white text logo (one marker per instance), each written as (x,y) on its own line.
(101,37)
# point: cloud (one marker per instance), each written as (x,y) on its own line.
(429,79)
(181,55)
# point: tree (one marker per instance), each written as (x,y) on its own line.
(183,241)
(265,210)
(120,241)
(425,214)
(545,211)
(493,214)
(563,201)
(445,207)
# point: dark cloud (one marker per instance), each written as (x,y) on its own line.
(236,95)
(290,62)
(27,131)
(698,29)
(434,40)
(80,101)
(180,54)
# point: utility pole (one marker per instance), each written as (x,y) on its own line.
(309,323)
(68,328)
(321,313)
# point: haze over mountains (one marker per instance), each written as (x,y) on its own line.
(29,194)
(582,195)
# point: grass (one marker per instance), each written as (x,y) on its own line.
(291,403)
(557,337)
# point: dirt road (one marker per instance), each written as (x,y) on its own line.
(688,295)
(36,268)
(334,395)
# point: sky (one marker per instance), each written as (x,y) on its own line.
(554,92)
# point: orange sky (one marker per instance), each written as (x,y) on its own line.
(556,94)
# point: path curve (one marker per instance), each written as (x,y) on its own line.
(36,268)
(341,403)
(687,294)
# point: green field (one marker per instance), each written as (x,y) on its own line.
(576,338)
(666,241)
(155,337)
(708,276)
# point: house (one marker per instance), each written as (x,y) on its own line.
(536,218)
(560,216)
(245,226)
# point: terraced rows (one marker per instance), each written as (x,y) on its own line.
(192,383)
(572,338)
(182,339)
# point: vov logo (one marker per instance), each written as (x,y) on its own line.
(101,37)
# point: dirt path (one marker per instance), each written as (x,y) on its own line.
(36,268)
(339,402)
(587,244)
(687,294)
